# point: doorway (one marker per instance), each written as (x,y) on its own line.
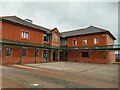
(45,55)
(55,55)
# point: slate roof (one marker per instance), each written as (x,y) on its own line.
(86,31)
(17,20)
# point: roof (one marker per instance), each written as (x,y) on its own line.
(17,20)
(86,31)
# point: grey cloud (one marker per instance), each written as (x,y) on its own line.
(67,16)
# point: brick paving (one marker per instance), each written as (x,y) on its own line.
(61,75)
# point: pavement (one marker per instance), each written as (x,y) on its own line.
(60,75)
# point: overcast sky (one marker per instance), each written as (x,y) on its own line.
(66,15)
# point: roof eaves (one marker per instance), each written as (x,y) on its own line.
(27,24)
(83,34)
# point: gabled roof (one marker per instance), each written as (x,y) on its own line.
(86,31)
(55,29)
(17,20)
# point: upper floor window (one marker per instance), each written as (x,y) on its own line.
(63,41)
(46,37)
(55,37)
(84,41)
(24,34)
(74,42)
(95,40)
(8,52)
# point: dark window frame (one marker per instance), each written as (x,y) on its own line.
(46,37)
(8,52)
(63,41)
(85,54)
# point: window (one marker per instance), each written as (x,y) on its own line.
(55,37)
(85,54)
(63,41)
(95,40)
(8,52)
(24,34)
(74,42)
(84,41)
(24,52)
(46,37)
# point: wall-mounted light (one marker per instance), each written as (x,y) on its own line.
(104,35)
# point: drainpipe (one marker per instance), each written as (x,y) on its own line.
(76,55)
(35,55)
(20,55)
(104,57)
(89,56)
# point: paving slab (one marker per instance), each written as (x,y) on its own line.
(62,75)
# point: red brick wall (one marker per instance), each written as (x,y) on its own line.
(90,40)
(110,41)
(111,56)
(72,56)
(15,58)
(80,58)
(39,58)
(13,32)
(94,57)
(97,57)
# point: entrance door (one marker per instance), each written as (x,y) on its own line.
(45,55)
(55,55)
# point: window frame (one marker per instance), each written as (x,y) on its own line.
(85,55)
(74,42)
(47,37)
(55,37)
(83,41)
(25,35)
(96,39)
(10,52)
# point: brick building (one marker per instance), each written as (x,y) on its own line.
(24,42)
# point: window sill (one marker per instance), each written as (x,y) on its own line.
(46,42)
(8,56)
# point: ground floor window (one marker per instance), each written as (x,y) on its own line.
(8,52)
(24,52)
(85,54)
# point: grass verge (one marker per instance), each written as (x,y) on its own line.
(116,63)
